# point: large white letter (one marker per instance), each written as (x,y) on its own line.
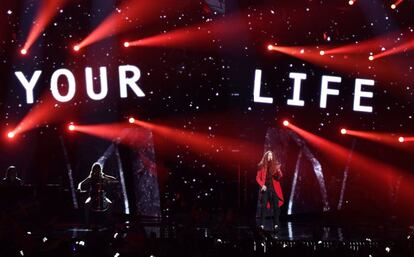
(89,84)
(359,93)
(256,90)
(28,85)
(297,80)
(131,82)
(71,85)
(325,91)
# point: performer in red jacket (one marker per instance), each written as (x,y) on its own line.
(268,177)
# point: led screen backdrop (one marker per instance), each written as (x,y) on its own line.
(228,72)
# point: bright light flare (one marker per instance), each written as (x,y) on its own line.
(11,134)
(71,127)
(131,120)
(126,44)
(343,131)
(285,123)
(76,48)
(401,139)
(322,52)
(396,4)
(270,47)
(351,2)
(23,51)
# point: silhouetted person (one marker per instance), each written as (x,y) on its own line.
(96,183)
(10,178)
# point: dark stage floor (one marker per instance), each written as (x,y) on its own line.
(157,239)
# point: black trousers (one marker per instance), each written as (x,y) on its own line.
(270,196)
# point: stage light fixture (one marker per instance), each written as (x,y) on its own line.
(11,134)
(23,51)
(126,44)
(71,127)
(270,47)
(401,139)
(371,58)
(285,123)
(351,2)
(131,120)
(343,131)
(76,48)
(393,6)
(322,52)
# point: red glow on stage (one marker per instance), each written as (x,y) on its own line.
(45,14)
(285,123)
(23,51)
(131,120)
(343,131)
(128,15)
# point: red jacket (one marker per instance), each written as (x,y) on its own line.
(261,179)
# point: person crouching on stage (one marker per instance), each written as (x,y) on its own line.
(96,183)
(268,177)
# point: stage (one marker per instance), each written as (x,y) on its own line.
(149,237)
(172,128)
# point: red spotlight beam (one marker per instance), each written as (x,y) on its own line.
(221,147)
(370,167)
(127,16)
(390,71)
(123,133)
(384,45)
(381,137)
(45,14)
(396,4)
(45,111)
(408,139)
(407,46)
(204,35)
